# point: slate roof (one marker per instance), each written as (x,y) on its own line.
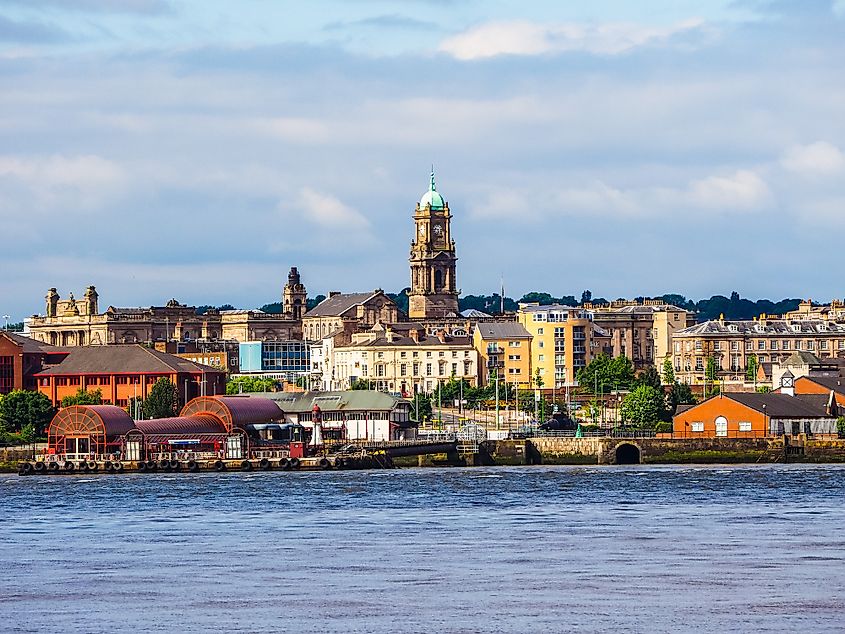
(783,405)
(801,358)
(502,330)
(402,341)
(339,304)
(123,359)
(31,345)
(782,327)
(638,309)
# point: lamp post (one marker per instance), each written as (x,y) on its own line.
(7,318)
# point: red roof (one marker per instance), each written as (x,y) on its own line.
(234,411)
(107,420)
(182,425)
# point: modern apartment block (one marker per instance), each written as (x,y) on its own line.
(563,340)
(504,347)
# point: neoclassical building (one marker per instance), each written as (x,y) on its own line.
(72,322)
(434,289)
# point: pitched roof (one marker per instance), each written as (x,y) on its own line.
(123,359)
(828,382)
(474,313)
(400,341)
(801,358)
(348,400)
(502,330)
(781,327)
(783,405)
(31,345)
(337,305)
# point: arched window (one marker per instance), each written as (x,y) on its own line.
(438,280)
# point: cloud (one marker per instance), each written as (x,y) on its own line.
(329,212)
(532,38)
(66,182)
(391,21)
(30,32)
(816,159)
(742,190)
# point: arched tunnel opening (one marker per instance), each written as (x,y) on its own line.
(627,453)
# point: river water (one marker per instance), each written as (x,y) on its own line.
(532,549)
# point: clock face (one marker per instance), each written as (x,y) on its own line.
(438,230)
(787,382)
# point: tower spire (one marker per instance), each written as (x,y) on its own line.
(432,187)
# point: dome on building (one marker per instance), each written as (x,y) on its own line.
(432,197)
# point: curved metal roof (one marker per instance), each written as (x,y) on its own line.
(234,411)
(106,420)
(182,425)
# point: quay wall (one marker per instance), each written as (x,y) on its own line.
(663,450)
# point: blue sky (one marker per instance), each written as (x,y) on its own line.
(197,150)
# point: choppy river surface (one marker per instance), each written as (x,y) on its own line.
(534,549)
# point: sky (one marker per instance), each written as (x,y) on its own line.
(198,149)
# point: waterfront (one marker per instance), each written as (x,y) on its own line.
(728,548)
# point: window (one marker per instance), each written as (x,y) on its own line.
(381,355)
(416,369)
(697,426)
(539,331)
(823,345)
(761,345)
(428,354)
(514,344)
(403,369)
(542,357)
(698,346)
(744,425)
(774,345)
(717,345)
(734,345)
(785,345)
(513,371)
(749,346)
(441,354)
(403,355)
(516,357)
(454,368)
(540,344)
(810,344)
(428,369)
(416,354)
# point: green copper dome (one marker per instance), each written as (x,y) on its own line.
(432,197)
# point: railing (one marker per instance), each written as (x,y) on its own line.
(599,433)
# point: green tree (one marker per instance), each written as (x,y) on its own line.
(604,374)
(763,389)
(751,368)
(162,401)
(679,393)
(840,426)
(82,397)
(245,384)
(362,384)
(20,408)
(651,377)
(668,371)
(711,370)
(421,407)
(643,407)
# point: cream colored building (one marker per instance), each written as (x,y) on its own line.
(731,344)
(362,309)
(563,340)
(505,346)
(641,330)
(398,363)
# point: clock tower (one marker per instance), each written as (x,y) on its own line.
(434,292)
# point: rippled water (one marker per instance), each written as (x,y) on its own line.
(545,549)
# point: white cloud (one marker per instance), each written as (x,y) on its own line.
(520,37)
(743,190)
(816,159)
(72,182)
(329,212)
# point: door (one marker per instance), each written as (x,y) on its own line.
(234,450)
(721,426)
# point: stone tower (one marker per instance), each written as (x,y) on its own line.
(294,296)
(434,291)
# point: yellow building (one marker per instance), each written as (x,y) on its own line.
(564,339)
(506,346)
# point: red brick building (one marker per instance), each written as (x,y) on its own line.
(122,372)
(21,358)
